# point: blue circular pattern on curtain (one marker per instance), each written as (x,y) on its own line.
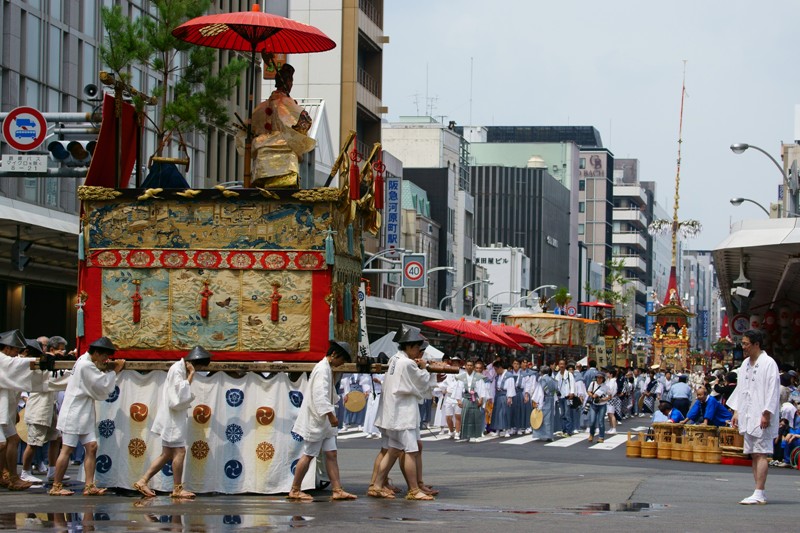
(234,433)
(113,396)
(296,397)
(106,428)
(231,519)
(296,437)
(103,464)
(234,397)
(294,465)
(167,470)
(233,469)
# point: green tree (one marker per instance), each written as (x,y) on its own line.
(562,297)
(615,290)
(192,87)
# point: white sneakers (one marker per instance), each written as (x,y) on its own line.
(457,435)
(27,476)
(611,431)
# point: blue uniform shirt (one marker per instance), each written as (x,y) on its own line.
(716,413)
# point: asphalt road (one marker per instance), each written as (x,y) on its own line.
(486,486)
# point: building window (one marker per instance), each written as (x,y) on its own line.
(54,58)
(33,39)
(29,189)
(582,163)
(581,185)
(581,207)
(581,229)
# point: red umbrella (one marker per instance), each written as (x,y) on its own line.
(494,329)
(464,328)
(597,303)
(520,335)
(253,31)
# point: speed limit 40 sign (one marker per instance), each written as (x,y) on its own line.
(414,271)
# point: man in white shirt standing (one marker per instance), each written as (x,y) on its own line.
(317,423)
(565,392)
(90,382)
(756,408)
(172,422)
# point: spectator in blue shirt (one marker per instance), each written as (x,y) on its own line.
(681,395)
(707,410)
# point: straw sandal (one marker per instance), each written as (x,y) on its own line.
(391,487)
(430,491)
(90,489)
(341,494)
(59,490)
(145,491)
(385,493)
(416,494)
(180,493)
(298,495)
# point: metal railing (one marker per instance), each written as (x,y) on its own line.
(368,82)
(371,12)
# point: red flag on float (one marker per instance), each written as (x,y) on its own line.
(102,169)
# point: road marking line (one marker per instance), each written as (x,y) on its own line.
(610,444)
(486,438)
(519,440)
(568,441)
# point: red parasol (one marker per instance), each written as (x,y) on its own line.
(464,328)
(253,31)
(597,303)
(496,330)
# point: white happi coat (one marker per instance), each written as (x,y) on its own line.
(16,376)
(405,385)
(176,396)
(86,385)
(757,390)
(312,422)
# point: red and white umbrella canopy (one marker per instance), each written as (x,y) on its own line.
(253,31)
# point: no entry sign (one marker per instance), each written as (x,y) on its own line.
(24,128)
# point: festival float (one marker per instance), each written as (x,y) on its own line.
(262,277)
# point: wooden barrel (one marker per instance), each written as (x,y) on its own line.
(649,449)
(633,447)
(677,448)
(686,451)
(697,434)
(730,440)
(699,454)
(713,451)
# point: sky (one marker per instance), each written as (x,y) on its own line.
(618,66)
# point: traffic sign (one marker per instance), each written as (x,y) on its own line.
(24,128)
(571,311)
(414,271)
(24,163)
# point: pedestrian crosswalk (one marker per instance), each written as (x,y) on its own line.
(611,442)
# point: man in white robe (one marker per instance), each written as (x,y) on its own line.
(756,409)
(41,416)
(16,376)
(172,422)
(318,425)
(405,385)
(90,382)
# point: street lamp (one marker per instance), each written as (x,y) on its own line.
(738,201)
(489,300)
(738,148)
(431,271)
(455,293)
(532,293)
(384,252)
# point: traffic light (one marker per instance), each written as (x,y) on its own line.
(18,258)
(72,153)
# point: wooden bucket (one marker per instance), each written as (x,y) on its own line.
(649,449)
(699,454)
(713,451)
(686,451)
(677,448)
(633,447)
(666,431)
(730,440)
(697,435)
